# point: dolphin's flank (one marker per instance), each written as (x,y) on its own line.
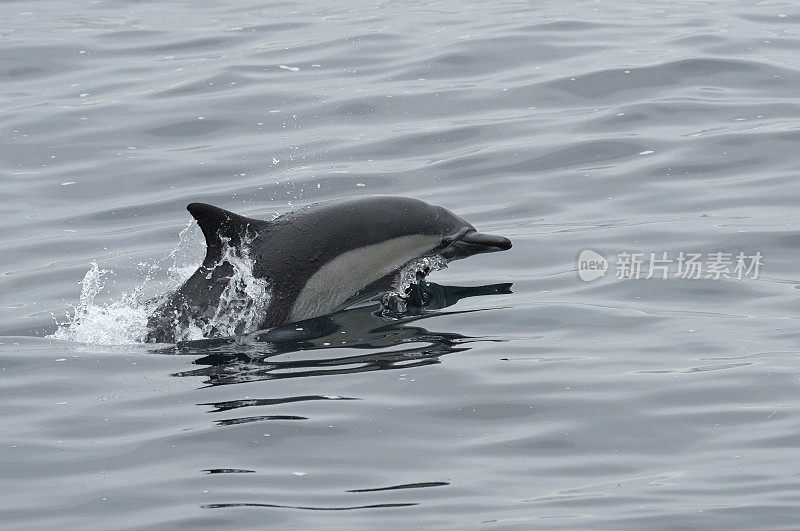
(317,258)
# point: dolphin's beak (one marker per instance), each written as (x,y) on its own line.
(474,242)
(488,243)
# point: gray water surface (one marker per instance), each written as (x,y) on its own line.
(620,127)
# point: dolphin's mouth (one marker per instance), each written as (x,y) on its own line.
(473,242)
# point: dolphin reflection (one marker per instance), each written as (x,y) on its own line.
(394,339)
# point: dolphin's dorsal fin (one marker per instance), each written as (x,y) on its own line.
(216,224)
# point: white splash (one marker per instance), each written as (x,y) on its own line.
(123,320)
(241,306)
(119,322)
(186,256)
(412,272)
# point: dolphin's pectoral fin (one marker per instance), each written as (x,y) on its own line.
(216,224)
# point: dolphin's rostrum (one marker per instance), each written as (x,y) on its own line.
(317,258)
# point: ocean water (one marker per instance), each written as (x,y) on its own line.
(519,395)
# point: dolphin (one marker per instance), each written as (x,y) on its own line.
(314,260)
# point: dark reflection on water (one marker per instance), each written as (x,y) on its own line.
(250,402)
(388,332)
(406,486)
(390,337)
(258,418)
(272,505)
